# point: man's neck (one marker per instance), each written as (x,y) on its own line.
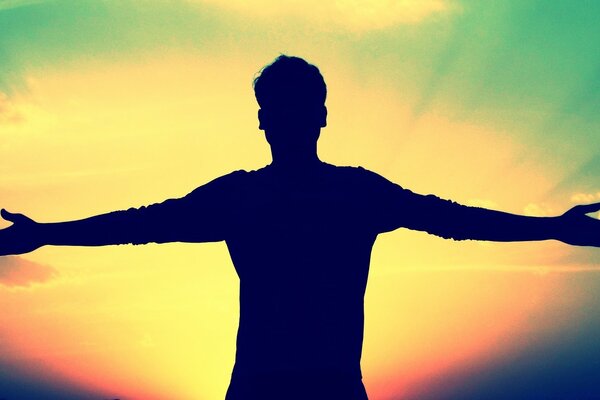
(296,162)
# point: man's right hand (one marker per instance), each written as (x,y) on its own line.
(579,229)
(21,237)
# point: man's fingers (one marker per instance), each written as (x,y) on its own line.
(12,217)
(588,208)
(582,209)
(6,215)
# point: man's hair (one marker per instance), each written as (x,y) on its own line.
(290,81)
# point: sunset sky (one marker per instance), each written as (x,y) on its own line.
(106,105)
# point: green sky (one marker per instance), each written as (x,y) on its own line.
(529,68)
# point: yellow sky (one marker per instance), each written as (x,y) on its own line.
(104,137)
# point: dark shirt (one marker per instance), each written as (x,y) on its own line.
(301,245)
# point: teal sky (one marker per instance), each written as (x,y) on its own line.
(529,68)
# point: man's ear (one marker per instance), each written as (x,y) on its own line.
(323,117)
(261,119)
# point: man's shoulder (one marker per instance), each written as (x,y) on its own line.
(355,175)
(220,185)
(358,174)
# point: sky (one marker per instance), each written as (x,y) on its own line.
(106,105)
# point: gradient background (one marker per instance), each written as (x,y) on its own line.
(110,104)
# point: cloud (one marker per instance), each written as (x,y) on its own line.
(9,114)
(586,198)
(354,15)
(582,198)
(17,271)
(8,4)
(539,210)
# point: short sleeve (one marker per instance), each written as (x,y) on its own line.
(201,216)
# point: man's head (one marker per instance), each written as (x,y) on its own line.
(291,94)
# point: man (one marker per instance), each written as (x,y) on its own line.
(300,234)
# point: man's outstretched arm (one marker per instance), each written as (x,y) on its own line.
(201,216)
(450,220)
(26,235)
(136,226)
(395,207)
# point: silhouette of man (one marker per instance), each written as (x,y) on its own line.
(300,233)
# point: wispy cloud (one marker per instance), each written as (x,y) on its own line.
(64,176)
(9,114)
(17,271)
(539,210)
(585,197)
(354,15)
(8,4)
